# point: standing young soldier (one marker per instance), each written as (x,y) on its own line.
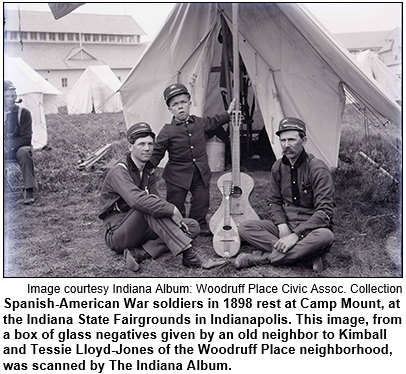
(188,168)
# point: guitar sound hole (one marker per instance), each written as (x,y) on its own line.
(237,192)
(227,228)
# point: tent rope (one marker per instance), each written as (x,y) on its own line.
(359,112)
(105,101)
(80,149)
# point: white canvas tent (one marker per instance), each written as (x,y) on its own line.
(377,70)
(296,68)
(95,90)
(39,96)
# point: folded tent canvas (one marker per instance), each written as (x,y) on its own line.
(296,67)
(38,95)
(95,91)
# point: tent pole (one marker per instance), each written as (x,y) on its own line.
(236,66)
(236,58)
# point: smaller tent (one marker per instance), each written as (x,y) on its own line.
(95,91)
(38,95)
(377,70)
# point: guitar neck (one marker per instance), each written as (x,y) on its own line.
(227,211)
(236,123)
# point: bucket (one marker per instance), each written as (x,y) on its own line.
(216,151)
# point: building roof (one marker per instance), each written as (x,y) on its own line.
(35,21)
(363,40)
(59,56)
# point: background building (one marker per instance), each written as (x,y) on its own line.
(391,53)
(61,50)
(386,44)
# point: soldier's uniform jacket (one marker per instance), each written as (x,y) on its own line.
(186,146)
(123,189)
(302,195)
(17,133)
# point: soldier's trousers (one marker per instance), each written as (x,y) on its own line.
(24,158)
(264,234)
(155,235)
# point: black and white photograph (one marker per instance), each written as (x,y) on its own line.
(202,187)
(202,140)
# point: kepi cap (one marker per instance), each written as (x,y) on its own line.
(9,86)
(174,90)
(139,130)
(291,123)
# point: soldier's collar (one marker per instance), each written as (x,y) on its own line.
(177,122)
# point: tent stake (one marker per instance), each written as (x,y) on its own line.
(383,171)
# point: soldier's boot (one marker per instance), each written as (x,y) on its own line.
(245,260)
(134,256)
(192,260)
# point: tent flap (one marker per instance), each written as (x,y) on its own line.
(295,66)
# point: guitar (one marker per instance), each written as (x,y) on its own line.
(243,184)
(226,241)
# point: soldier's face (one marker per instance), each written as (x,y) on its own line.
(142,148)
(292,144)
(179,106)
(9,99)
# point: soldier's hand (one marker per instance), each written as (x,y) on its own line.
(287,242)
(176,216)
(231,107)
(283,230)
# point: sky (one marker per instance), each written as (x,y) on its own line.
(336,17)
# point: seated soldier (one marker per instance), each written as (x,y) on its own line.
(17,139)
(301,206)
(137,222)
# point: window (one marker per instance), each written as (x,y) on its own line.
(77,37)
(64,82)
(23,35)
(87,38)
(112,38)
(70,37)
(95,38)
(120,38)
(61,36)
(52,36)
(104,38)
(42,36)
(13,35)
(33,36)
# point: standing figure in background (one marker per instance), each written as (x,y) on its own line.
(301,206)
(188,167)
(17,139)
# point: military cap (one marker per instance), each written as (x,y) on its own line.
(174,90)
(9,86)
(139,130)
(291,123)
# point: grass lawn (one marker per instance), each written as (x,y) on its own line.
(61,235)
